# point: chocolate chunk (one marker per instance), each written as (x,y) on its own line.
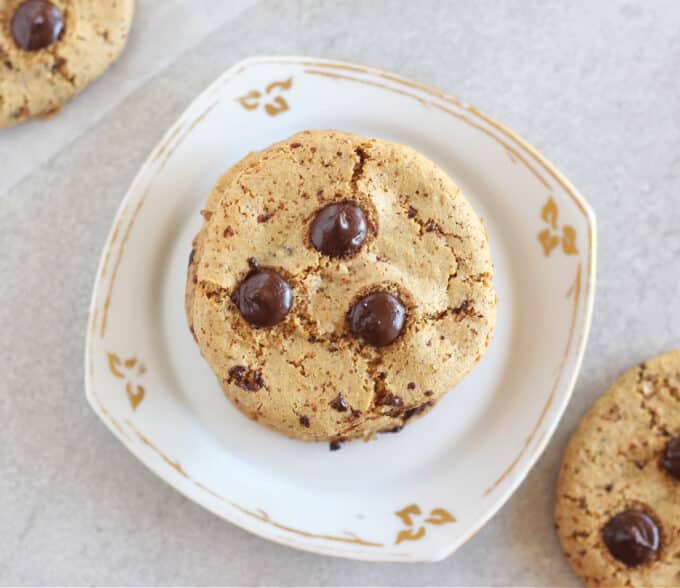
(37,24)
(334,445)
(304,421)
(264,297)
(339,404)
(391,400)
(377,318)
(250,380)
(411,412)
(393,429)
(632,537)
(339,229)
(671,458)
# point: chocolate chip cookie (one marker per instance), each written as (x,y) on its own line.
(339,286)
(51,49)
(618,496)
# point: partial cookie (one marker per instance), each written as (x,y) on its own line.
(618,497)
(51,50)
(340,286)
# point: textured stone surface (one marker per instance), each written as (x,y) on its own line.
(593,85)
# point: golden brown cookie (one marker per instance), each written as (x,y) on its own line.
(618,497)
(339,286)
(50,50)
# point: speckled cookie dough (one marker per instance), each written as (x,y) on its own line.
(618,497)
(51,50)
(339,286)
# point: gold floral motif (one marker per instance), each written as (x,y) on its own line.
(273,105)
(415,532)
(549,238)
(122,369)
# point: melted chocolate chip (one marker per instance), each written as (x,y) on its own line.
(264,297)
(339,229)
(632,537)
(671,458)
(37,24)
(339,404)
(377,318)
(250,380)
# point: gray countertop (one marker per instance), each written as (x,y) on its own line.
(594,85)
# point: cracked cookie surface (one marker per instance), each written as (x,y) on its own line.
(37,79)
(309,376)
(617,508)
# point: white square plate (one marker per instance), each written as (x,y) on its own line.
(414,496)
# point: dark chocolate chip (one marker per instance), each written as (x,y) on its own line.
(671,458)
(339,229)
(250,380)
(393,429)
(416,410)
(37,24)
(264,297)
(304,421)
(377,318)
(632,537)
(391,400)
(339,404)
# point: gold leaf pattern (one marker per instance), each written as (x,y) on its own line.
(134,397)
(410,535)
(277,107)
(408,514)
(273,106)
(549,238)
(405,513)
(569,240)
(125,369)
(251,100)
(440,516)
(549,213)
(548,241)
(114,364)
